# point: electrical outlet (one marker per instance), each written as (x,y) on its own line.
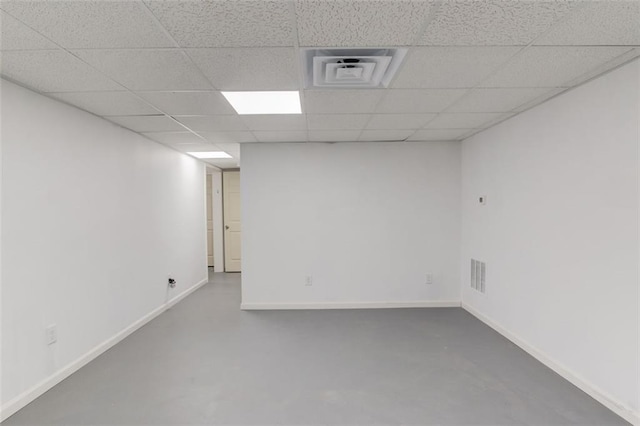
(51,334)
(308,281)
(429,278)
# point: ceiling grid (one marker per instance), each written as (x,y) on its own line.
(158,67)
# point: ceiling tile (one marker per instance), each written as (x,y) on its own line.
(175,138)
(539,99)
(385,135)
(450,67)
(598,23)
(438,134)
(498,100)
(230,148)
(274,68)
(52,71)
(212,123)
(418,101)
(226,23)
(195,147)
(551,66)
(341,101)
(275,122)
(333,135)
(399,121)
(337,121)
(462,120)
(139,69)
(91,24)
(189,103)
(269,136)
(220,138)
(492,23)
(147,123)
(14,35)
(360,23)
(107,103)
(223,163)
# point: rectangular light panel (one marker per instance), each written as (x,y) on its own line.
(210,154)
(264,102)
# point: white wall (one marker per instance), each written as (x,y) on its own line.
(559,232)
(367,221)
(94,217)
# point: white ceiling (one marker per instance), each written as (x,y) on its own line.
(156,67)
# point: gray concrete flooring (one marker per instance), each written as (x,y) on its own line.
(206,362)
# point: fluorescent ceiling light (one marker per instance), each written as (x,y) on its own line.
(210,154)
(265,102)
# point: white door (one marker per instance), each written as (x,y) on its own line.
(209,222)
(231,202)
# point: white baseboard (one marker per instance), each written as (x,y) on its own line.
(14,405)
(351,305)
(593,391)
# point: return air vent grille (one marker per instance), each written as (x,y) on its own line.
(478,275)
(351,68)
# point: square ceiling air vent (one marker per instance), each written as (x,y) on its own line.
(351,68)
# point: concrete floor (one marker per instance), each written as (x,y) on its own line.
(207,362)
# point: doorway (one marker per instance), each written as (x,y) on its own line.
(210,249)
(232,228)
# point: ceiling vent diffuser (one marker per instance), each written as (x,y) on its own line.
(351,68)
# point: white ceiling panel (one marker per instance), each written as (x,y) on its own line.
(14,35)
(147,123)
(189,103)
(195,147)
(53,71)
(175,138)
(273,68)
(360,23)
(498,100)
(270,136)
(385,135)
(91,24)
(223,163)
(107,103)
(226,23)
(341,101)
(540,99)
(418,100)
(551,66)
(450,67)
(333,135)
(438,134)
(337,121)
(598,23)
(220,138)
(399,121)
(275,122)
(230,148)
(155,69)
(462,120)
(492,23)
(212,123)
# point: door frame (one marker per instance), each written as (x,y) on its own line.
(216,208)
(224,250)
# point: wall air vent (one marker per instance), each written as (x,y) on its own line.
(478,275)
(350,68)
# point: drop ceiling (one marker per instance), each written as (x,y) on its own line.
(157,67)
